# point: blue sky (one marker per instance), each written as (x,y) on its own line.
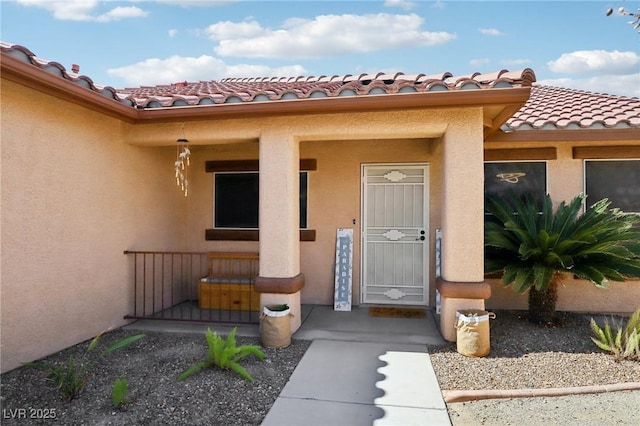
(134,43)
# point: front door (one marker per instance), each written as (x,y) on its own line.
(395,237)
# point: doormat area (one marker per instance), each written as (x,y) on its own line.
(395,312)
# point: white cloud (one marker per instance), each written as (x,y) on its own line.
(627,85)
(611,72)
(119,13)
(230,30)
(479,62)
(583,62)
(83,10)
(156,71)
(490,32)
(404,4)
(323,36)
(197,3)
(172,32)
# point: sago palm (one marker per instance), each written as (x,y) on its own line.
(533,245)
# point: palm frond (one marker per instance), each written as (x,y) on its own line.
(224,353)
(526,241)
(241,371)
(193,370)
(123,343)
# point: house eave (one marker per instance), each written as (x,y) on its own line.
(583,135)
(15,70)
(498,104)
(512,99)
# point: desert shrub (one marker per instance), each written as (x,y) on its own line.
(624,342)
(225,354)
(120,392)
(71,376)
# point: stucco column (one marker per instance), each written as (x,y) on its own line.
(280,280)
(461,284)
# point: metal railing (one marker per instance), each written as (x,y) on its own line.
(165,287)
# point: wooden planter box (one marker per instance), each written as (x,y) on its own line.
(228,296)
(229,283)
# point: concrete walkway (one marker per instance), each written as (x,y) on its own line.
(361,370)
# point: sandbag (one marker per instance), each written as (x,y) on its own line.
(473,337)
(275,326)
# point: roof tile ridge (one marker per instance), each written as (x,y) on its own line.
(350,78)
(526,76)
(456,78)
(583,92)
(389,76)
(8,47)
(489,77)
(43,64)
(435,77)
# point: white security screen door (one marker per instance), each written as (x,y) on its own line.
(395,234)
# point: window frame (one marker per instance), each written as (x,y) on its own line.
(303,209)
(589,200)
(226,234)
(546,173)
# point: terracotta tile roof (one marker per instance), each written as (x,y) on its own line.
(547,108)
(554,108)
(246,90)
(234,90)
(25,55)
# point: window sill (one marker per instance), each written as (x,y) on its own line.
(249,235)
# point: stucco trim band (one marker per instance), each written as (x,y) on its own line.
(213,166)
(520,154)
(463,290)
(248,235)
(279,285)
(606,152)
(583,135)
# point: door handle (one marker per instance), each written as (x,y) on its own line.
(421,238)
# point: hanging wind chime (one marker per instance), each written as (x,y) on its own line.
(182,164)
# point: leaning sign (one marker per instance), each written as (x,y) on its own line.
(343,270)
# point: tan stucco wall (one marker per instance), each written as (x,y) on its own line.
(463,199)
(74,197)
(336,183)
(334,200)
(340,144)
(79,188)
(565,180)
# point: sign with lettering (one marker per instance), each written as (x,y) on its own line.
(343,269)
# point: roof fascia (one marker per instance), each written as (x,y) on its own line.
(30,76)
(493,124)
(513,98)
(586,135)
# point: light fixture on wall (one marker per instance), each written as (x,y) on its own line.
(182,163)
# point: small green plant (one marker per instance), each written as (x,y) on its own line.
(278,308)
(624,343)
(71,376)
(225,354)
(120,392)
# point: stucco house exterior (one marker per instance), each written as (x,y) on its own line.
(402,160)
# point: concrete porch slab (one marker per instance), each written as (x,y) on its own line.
(351,383)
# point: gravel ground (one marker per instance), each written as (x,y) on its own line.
(522,356)
(525,356)
(151,366)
